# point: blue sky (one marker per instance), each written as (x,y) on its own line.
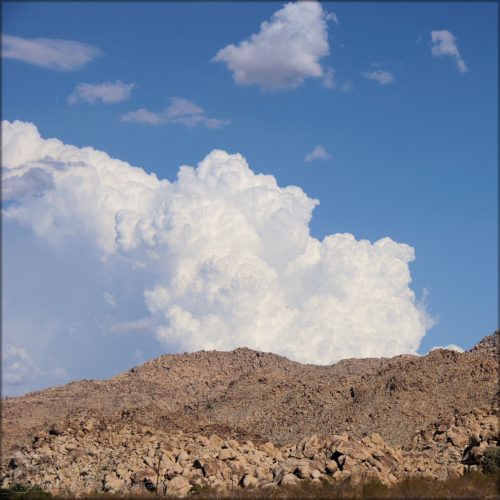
(415,159)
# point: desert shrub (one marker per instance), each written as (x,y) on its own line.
(490,463)
(23,491)
(374,489)
(471,486)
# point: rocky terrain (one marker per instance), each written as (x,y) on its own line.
(85,457)
(243,418)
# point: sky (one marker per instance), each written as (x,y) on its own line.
(339,195)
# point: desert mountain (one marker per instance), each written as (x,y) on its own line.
(244,419)
(245,394)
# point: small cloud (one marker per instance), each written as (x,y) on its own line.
(449,347)
(62,55)
(346,86)
(444,44)
(286,51)
(330,81)
(331,16)
(107,92)
(216,123)
(380,76)
(109,298)
(143,325)
(17,366)
(141,116)
(180,111)
(318,153)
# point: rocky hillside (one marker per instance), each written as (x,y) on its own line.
(260,396)
(246,395)
(488,347)
(86,457)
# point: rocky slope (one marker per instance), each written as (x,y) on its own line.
(246,395)
(85,457)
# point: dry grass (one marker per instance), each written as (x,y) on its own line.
(474,485)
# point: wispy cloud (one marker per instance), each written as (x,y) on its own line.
(318,153)
(444,44)
(380,76)
(331,16)
(63,55)
(330,81)
(109,298)
(17,365)
(180,111)
(142,116)
(286,51)
(142,325)
(107,92)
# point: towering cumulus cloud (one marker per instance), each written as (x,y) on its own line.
(224,255)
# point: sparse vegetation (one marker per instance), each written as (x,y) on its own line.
(490,462)
(474,485)
(24,492)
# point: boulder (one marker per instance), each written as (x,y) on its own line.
(112,483)
(249,481)
(178,486)
(226,454)
(289,479)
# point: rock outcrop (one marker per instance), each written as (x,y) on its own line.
(78,457)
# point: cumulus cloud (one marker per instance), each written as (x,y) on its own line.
(444,43)
(450,347)
(286,51)
(63,55)
(107,92)
(380,76)
(318,153)
(180,111)
(223,256)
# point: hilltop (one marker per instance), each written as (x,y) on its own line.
(241,396)
(262,396)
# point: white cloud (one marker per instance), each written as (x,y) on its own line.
(180,111)
(17,366)
(20,372)
(142,116)
(64,55)
(223,256)
(286,51)
(449,347)
(331,16)
(107,92)
(444,44)
(143,325)
(318,153)
(380,76)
